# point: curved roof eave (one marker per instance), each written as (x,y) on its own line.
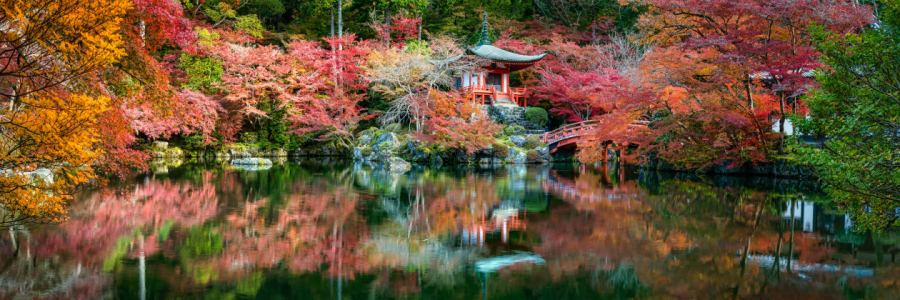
(494,53)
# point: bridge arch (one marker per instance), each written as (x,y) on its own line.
(573,134)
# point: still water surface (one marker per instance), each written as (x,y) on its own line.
(323,229)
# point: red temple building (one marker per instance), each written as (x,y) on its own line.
(491,85)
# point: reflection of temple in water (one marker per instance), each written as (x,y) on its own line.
(811,217)
(496,229)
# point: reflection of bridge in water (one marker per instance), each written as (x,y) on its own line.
(566,188)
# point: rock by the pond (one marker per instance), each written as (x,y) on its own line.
(387,140)
(41,174)
(365,139)
(545,153)
(521,158)
(518,140)
(252,162)
(398,165)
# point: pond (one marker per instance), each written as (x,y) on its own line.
(331,229)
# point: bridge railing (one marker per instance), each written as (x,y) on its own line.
(567,131)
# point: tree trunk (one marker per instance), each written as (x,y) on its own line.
(421,20)
(12,237)
(340,20)
(387,17)
(332,22)
(749,92)
(781,124)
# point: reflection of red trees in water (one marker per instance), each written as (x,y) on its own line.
(684,243)
(77,248)
(314,227)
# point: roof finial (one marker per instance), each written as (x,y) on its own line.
(485,40)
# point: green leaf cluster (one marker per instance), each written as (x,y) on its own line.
(202,72)
(274,131)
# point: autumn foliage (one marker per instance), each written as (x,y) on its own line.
(455,123)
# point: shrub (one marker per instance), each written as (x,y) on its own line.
(532,142)
(512,130)
(366,151)
(509,143)
(532,156)
(392,127)
(537,115)
(501,151)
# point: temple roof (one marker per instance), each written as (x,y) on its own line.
(488,51)
(493,53)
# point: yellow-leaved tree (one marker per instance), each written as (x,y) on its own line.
(49,50)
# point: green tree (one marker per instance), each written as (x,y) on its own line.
(857,111)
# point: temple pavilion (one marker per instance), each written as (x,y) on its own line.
(490,86)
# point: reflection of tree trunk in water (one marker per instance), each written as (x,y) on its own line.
(484,285)
(790,256)
(340,262)
(746,253)
(879,251)
(333,249)
(621,170)
(776,267)
(142,267)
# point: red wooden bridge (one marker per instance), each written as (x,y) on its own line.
(575,133)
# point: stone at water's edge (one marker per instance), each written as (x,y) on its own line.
(518,140)
(521,158)
(545,153)
(252,162)
(398,165)
(387,140)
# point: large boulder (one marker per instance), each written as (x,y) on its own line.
(387,140)
(518,140)
(365,139)
(520,158)
(398,165)
(545,153)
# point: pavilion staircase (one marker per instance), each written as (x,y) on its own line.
(504,101)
